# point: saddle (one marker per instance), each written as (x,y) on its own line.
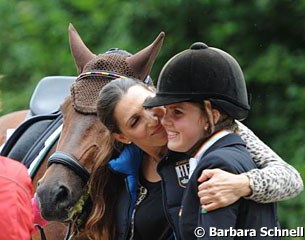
(49,93)
(41,129)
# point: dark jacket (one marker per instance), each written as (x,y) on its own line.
(125,221)
(180,193)
(228,153)
(122,210)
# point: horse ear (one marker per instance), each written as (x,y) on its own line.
(142,62)
(81,54)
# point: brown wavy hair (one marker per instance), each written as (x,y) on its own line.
(100,223)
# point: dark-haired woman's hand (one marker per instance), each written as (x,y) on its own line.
(219,188)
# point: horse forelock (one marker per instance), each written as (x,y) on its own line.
(85,91)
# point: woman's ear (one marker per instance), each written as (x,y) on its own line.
(121,138)
(213,114)
(216,115)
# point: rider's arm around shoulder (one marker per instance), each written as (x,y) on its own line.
(275,179)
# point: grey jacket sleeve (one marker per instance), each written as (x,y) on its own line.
(275,179)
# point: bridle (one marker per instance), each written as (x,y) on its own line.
(70,162)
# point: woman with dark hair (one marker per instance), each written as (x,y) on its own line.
(134,125)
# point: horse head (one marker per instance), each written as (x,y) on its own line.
(84,140)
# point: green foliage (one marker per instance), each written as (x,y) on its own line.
(265,36)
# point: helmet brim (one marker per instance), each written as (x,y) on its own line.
(163,101)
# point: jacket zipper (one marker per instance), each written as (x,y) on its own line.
(129,203)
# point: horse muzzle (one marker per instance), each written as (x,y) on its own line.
(57,193)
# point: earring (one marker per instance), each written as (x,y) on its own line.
(130,142)
(206,127)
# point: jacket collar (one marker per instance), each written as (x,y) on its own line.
(226,141)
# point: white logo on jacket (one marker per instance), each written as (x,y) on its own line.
(182,172)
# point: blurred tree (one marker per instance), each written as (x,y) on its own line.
(267,37)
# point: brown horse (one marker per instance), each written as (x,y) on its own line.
(83,139)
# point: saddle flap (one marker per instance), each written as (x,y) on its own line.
(49,93)
(28,135)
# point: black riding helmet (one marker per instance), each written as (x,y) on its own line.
(203,73)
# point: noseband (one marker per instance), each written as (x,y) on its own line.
(70,162)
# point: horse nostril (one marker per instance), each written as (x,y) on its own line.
(62,194)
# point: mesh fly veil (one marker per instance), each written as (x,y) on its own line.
(97,70)
(85,90)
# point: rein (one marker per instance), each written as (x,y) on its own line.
(49,142)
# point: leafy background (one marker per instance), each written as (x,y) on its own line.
(267,37)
